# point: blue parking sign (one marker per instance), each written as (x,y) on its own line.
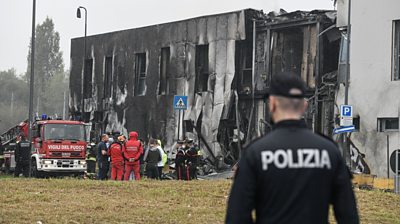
(346,111)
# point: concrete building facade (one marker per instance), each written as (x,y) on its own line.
(374,83)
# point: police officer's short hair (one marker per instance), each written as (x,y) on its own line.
(290,104)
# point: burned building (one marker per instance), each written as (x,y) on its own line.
(306,43)
(223,63)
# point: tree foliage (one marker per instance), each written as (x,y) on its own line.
(48,63)
(51,81)
(14,98)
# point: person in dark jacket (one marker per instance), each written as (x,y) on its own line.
(152,157)
(180,161)
(22,156)
(102,157)
(192,159)
(291,175)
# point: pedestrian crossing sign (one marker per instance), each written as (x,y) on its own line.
(180,102)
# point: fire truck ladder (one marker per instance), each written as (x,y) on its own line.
(12,133)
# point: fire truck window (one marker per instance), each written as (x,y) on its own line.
(36,131)
(64,132)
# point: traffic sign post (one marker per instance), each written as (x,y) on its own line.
(395,166)
(180,103)
(346,125)
(397,183)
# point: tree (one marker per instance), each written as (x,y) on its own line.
(49,68)
(14,94)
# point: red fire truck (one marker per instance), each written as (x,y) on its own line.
(58,147)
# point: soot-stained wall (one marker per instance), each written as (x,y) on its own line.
(117,62)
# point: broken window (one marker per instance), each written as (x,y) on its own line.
(244,63)
(388,124)
(108,78)
(290,51)
(164,71)
(396,51)
(87,79)
(202,72)
(140,74)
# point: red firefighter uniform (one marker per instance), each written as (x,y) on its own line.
(115,151)
(132,151)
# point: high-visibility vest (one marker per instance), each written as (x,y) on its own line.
(90,158)
(164,157)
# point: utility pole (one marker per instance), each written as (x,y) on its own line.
(12,102)
(346,149)
(78,14)
(63,106)
(32,80)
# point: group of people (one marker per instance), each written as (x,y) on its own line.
(187,159)
(127,158)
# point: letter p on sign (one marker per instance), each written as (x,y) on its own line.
(346,111)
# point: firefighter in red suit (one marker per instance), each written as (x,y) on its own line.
(132,151)
(115,152)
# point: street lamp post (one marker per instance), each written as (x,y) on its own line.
(31,81)
(78,14)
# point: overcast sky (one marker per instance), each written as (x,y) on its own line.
(111,15)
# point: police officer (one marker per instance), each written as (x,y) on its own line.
(192,158)
(180,161)
(22,156)
(291,175)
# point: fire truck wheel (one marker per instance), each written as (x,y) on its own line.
(7,169)
(34,172)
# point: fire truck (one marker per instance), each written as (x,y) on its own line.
(58,147)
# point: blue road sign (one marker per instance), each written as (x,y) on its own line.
(344,129)
(346,111)
(180,102)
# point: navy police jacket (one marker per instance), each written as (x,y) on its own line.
(291,175)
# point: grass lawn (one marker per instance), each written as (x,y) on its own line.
(87,201)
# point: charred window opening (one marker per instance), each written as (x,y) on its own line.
(202,72)
(87,80)
(294,50)
(388,124)
(244,62)
(121,77)
(164,71)
(140,74)
(108,77)
(288,51)
(396,51)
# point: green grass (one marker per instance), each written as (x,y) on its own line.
(87,201)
